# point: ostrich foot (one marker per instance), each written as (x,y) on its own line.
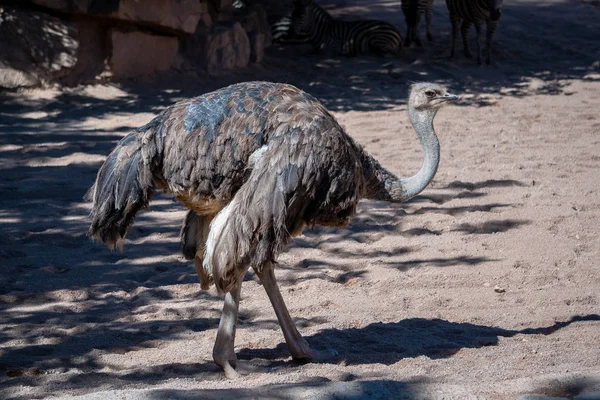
(229,370)
(227,360)
(234,369)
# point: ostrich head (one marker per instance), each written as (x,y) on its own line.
(427,96)
(424,101)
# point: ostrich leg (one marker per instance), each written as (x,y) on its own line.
(296,344)
(223,351)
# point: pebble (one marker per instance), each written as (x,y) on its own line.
(499,289)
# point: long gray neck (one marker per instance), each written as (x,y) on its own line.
(422,121)
(383,185)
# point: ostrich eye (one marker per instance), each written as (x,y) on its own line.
(430,94)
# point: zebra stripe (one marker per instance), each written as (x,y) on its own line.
(280,29)
(349,37)
(413,10)
(474,12)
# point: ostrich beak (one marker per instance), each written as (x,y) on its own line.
(449,97)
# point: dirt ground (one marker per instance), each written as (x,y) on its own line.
(485,286)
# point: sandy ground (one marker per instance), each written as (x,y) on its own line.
(485,286)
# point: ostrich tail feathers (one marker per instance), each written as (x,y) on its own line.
(123,186)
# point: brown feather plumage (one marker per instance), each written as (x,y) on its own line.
(200,150)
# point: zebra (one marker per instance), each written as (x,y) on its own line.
(474,12)
(413,10)
(350,38)
(280,28)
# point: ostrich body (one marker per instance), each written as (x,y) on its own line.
(254,163)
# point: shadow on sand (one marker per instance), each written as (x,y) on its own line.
(46,254)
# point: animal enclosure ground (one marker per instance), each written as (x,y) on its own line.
(487,285)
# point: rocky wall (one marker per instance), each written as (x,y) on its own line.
(73,41)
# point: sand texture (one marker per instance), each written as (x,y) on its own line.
(485,286)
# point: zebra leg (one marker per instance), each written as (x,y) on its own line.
(296,344)
(491,27)
(465,36)
(455,20)
(428,15)
(415,32)
(478,30)
(407,41)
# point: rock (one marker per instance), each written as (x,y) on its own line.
(225,47)
(499,289)
(173,16)
(11,78)
(263,25)
(221,5)
(67,6)
(137,53)
(254,22)
(92,52)
(35,47)
(257,46)
(205,22)
(180,15)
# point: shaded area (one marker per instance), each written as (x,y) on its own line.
(545,58)
(581,388)
(391,342)
(439,262)
(493,226)
(320,388)
(315,388)
(51,144)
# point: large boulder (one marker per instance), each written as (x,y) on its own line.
(137,53)
(226,46)
(173,16)
(35,48)
(254,21)
(222,5)
(257,46)
(180,15)
(104,7)
(93,51)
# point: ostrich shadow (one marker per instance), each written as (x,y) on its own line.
(388,343)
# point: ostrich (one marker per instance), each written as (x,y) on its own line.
(254,163)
